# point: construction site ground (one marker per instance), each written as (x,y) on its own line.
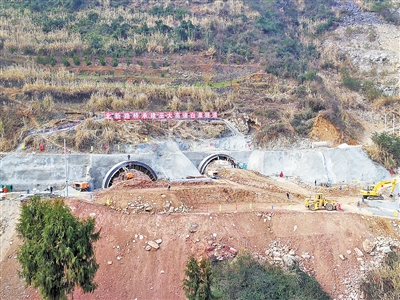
(241,209)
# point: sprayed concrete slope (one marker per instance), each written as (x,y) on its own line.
(328,165)
(333,165)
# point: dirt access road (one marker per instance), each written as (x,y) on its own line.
(234,211)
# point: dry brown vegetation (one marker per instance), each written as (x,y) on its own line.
(274,106)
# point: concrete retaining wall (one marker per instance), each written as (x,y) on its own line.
(336,165)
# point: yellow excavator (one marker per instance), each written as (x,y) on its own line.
(372,192)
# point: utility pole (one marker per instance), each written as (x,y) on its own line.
(66,169)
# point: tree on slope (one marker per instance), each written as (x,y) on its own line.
(197,285)
(57,253)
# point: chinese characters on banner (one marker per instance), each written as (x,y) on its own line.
(144,115)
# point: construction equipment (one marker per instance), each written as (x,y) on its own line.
(372,192)
(80,185)
(320,201)
(127,174)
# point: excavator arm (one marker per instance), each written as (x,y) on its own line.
(393,187)
(373,194)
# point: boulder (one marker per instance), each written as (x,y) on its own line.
(368,246)
(289,260)
(153,244)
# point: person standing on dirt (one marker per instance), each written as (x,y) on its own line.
(288,196)
(315,182)
(129,157)
(169,187)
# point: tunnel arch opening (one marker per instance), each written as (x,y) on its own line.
(209,159)
(117,169)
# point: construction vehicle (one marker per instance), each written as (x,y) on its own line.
(320,201)
(127,174)
(80,185)
(372,192)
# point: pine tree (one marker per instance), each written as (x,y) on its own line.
(57,252)
(197,285)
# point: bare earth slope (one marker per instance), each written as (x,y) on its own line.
(244,210)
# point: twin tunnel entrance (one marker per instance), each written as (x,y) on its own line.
(121,167)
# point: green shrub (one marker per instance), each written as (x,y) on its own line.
(76,60)
(115,62)
(52,61)
(351,83)
(246,278)
(28,51)
(389,144)
(65,61)
(153,64)
(87,61)
(102,60)
(41,60)
(12,50)
(370,91)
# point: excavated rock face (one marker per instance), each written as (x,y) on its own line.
(324,130)
(243,122)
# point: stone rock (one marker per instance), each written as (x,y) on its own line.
(119,257)
(306,256)
(368,246)
(153,244)
(109,262)
(193,227)
(384,249)
(147,248)
(289,260)
(358,252)
(232,250)
(348,252)
(342,257)
(159,241)
(276,254)
(294,227)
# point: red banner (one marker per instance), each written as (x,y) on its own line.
(144,115)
